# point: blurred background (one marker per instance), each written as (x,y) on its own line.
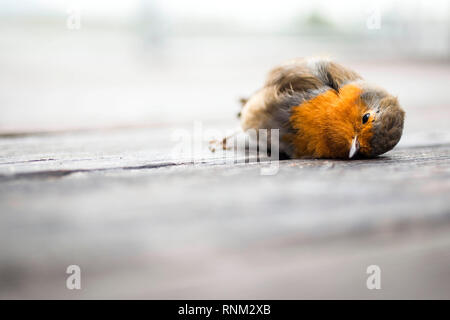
(70,65)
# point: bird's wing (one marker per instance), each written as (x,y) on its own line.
(305,74)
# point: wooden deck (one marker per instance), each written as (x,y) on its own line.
(142,224)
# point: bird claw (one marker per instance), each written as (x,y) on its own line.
(215,144)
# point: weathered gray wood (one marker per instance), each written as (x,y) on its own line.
(145,225)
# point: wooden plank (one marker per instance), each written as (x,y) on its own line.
(211,230)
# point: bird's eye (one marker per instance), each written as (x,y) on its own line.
(365,118)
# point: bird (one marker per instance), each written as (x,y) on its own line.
(324,110)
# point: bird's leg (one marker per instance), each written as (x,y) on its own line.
(223,143)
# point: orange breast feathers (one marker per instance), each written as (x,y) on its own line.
(327,124)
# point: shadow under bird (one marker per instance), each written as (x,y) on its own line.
(324,110)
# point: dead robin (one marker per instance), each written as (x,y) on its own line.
(324,110)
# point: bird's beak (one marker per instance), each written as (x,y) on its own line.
(354,148)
